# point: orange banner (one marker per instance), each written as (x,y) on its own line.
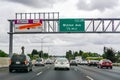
(27,26)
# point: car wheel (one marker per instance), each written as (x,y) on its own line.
(110,67)
(68,68)
(55,68)
(97,66)
(10,70)
(100,67)
(28,69)
(31,69)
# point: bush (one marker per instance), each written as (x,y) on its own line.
(3,54)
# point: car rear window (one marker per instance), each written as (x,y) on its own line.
(18,57)
(62,60)
(39,60)
(106,61)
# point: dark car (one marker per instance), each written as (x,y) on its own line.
(20,62)
(105,63)
(73,62)
(93,62)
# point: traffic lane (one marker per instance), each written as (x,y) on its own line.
(99,74)
(21,75)
(61,74)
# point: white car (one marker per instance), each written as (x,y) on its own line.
(39,62)
(61,63)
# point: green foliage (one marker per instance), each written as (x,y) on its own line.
(71,55)
(109,53)
(38,54)
(94,58)
(34,52)
(3,54)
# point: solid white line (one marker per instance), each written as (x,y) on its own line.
(39,73)
(89,78)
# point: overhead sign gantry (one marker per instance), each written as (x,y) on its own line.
(49,22)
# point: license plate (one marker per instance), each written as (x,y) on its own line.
(107,64)
(17,62)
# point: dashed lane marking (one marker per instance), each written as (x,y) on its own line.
(39,73)
(89,78)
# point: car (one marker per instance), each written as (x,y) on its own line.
(73,62)
(84,62)
(61,63)
(93,62)
(105,63)
(48,61)
(39,62)
(20,62)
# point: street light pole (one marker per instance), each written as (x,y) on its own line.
(42,45)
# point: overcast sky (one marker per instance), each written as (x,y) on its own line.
(58,44)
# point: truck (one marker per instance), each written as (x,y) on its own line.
(78,59)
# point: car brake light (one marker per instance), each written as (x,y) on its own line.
(103,63)
(10,61)
(26,62)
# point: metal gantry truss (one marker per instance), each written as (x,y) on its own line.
(51,25)
(102,25)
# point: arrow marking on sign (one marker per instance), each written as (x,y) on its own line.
(27,26)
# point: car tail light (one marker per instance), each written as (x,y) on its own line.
(26,62)
(10,61)
(110,63)
(103,62)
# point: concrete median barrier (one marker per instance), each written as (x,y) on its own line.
(4,61)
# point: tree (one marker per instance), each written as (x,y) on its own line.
(69,55)
(34,52)
(75,54)
(80,53)
(45,55)
(40,54)
(109,54)
(85,55)
(3,54)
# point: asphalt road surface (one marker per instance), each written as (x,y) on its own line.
(75,73)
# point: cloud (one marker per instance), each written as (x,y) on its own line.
(96,4)
(35,3)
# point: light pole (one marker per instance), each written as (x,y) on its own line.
(42,44)
(42,39)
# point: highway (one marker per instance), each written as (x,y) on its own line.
(81,72)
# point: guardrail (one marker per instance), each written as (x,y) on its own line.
(4,61)
(116,64)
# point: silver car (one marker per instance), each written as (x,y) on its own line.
(61,63)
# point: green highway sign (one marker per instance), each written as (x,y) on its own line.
(71,25)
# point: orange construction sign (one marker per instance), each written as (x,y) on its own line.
(27,26)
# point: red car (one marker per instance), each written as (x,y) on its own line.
(105,63)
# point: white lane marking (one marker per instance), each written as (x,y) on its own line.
(75,69)
(39,73)
(89,78)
